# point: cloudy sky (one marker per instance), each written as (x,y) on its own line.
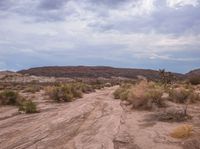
(122,33)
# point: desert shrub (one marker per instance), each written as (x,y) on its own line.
(118,92)
(86,88)
(148,100)
(172,116)
(146,96)
(194,97)
(183,95)
(8,97)
(122,92)
(62,93)
(28,106)
(124,95)
(68,92)
(97,86)
(182,131)
(76,92)
(32,89)
(187,86)
(179,95)
(195,80)
(155,96)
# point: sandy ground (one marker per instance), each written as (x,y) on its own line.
(97,121)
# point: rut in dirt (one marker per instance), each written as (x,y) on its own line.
(92,122)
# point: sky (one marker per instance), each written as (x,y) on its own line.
(150,34)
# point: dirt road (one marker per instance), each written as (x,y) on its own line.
(97,121)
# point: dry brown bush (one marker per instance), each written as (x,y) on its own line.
(144,95)
(182,131)
(182,95)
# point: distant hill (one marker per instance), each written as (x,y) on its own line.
(7,73)
(193,73)
(193,76)
(92,72)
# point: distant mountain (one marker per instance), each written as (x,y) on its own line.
(92,72)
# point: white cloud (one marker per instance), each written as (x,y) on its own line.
(139,8)
(178,3)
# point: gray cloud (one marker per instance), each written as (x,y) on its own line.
(164,20)
(110,3)
(128,33)
(52,5)
(4,4)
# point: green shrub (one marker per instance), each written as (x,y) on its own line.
(68,92)
(124,95)
(8,97)
(28,107)
(122,92)
(118,92)
(62,93)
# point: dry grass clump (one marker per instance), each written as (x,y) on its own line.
(144,95)
(182,131)
(182,95)
(147,100)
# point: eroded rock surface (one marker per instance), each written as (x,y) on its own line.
(97,121)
